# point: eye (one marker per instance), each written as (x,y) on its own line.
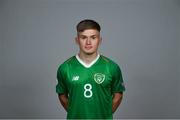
(83,37)
(93,37)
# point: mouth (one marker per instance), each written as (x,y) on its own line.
(88,47)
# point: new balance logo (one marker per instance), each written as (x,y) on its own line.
(75,78)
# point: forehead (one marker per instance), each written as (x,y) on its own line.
(89,32)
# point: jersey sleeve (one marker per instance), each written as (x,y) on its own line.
(60,87)
(117,82)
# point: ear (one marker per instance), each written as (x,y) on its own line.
(100,41)
(76,40)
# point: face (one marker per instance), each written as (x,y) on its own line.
(88,41)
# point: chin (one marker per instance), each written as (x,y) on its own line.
(89,53)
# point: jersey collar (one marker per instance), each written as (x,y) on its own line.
(87,65)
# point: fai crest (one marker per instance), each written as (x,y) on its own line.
(99,77)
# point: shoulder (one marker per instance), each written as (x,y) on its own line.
(109,61)
(113,66)
(66,63)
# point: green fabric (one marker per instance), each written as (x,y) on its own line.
(90,89)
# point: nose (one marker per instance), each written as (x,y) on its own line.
(88,41)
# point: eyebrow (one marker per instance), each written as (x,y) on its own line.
(90,36)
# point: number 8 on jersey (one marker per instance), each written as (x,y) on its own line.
(88,90)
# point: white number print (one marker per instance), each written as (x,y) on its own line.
(88,90)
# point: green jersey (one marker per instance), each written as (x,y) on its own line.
(89,87)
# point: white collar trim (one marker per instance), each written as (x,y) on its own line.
(87,65)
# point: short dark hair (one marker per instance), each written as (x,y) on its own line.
(87,24)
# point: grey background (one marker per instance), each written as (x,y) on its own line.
(142,36)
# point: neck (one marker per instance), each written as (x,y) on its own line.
(87,58)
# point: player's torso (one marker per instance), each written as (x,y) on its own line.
(89,89)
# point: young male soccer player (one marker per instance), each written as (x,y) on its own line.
(90,85)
